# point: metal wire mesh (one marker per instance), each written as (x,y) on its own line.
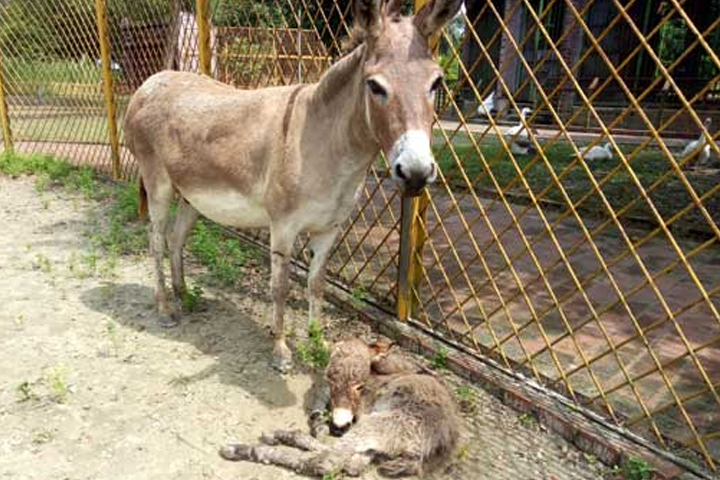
(596,276)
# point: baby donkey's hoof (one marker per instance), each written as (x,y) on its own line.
(236,452)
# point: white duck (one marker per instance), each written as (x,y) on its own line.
(598,153)
(487,107)
(519,137)
(700,145)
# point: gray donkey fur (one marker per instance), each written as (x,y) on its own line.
(406,422)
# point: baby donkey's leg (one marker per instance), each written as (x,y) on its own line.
(314,463)
(293,438)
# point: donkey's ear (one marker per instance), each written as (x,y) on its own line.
(394,7)
(435,14)
(367,16)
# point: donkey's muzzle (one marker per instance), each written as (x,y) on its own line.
(414,180)
(413,165)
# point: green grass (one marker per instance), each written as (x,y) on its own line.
(61,128)
(21,71)
(223,256)
(492,168)
(636,468)
(57,384)
(314,351)
(466,398)
(118,232)
(439,360)
(192,298)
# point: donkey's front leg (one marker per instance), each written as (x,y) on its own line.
(280,250)
(314,463)
(320,246)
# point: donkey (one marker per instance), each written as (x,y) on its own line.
(405,422)
(289,158)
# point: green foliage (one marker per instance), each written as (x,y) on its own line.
(636,468)
(24,391)
(191,298)
(527,420)
(467,398)
(314,351)
(251,13)
(439,360)
(223,256)
(334,475)
(55,380)
(359,296)
(672,40)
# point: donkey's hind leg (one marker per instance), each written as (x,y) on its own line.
(326,462)
(159,199)
(184,221)
(293,438)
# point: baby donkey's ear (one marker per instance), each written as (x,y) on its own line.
(379,348)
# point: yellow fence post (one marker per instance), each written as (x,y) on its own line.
(105,58)
(413,213)
(4,117)
(203,21)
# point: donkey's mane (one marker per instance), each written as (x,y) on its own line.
(340,73)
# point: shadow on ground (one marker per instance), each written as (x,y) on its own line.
(242,348)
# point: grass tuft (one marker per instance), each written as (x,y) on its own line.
(314,352)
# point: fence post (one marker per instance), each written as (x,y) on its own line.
(203,20)
(106,59)
(413,213)
(4,117)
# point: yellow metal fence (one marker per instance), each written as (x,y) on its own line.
(576,242)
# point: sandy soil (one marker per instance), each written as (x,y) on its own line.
(91,388)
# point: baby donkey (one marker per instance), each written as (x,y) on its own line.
(405,421)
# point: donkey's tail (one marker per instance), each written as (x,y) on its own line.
(142,201)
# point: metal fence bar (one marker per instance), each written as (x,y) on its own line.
(559,267)
(204,47)
(4,117)
(108,88)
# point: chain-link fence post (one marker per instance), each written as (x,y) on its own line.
(204,47)
(4,117)
(413,213)
(110,108)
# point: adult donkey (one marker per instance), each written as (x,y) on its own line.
(288,158)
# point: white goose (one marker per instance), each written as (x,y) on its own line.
(487,107)
(598,153)
(519,137)
(699,146)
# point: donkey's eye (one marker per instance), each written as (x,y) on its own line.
(376,88)
(436,85)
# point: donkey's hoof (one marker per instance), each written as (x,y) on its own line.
(236,451)
(169,320)
(282,365)
(269,438)
(282,358)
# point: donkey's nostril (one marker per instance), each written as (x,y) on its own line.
(398,171)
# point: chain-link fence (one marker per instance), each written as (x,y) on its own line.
(573,232)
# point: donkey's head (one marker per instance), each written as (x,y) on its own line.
(347,373)
(401,78)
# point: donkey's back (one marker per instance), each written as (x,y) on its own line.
(213,143)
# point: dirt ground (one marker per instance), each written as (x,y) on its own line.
(91,388)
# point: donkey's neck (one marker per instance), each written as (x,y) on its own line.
(339,97)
